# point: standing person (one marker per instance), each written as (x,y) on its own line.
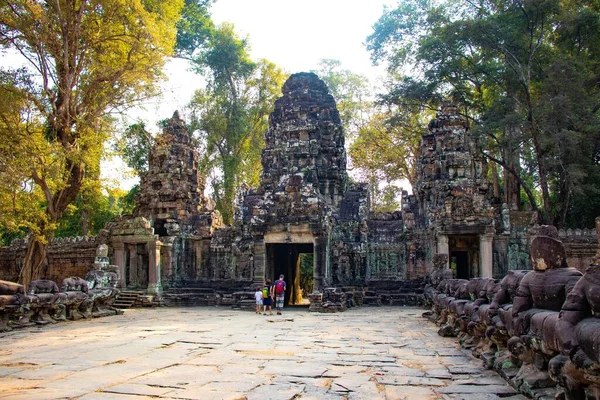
(279,288)
(267,295)
(259,299)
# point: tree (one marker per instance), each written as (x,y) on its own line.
(386,149)
(351,92)
(85,59)
(497,58)
(194,29)
(134,146)
(388,145)
(94,206)
(231,113)
(22,137)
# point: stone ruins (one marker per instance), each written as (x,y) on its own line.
(538,328)
(176,249)
(517,294)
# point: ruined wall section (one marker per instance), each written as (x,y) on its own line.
(581,246)
(67,257)
(349,241)
(387,255)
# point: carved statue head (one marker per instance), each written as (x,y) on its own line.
(547,250)
(102,251)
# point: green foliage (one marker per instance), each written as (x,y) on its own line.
(524,72)
(388,144)
(351,92)
(306,273)
(128,201)
(194,29)
(84,61)
(91,210)
(231,113)
(134,146)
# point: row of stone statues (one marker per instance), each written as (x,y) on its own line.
(77,298)
(540,329)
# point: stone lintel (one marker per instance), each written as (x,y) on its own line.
(133,239)
(290,234)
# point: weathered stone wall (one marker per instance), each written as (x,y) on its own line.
(11,258)
(67,257)
(581,246)
(387,255)
(349,238)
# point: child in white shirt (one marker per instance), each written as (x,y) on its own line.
(259,299)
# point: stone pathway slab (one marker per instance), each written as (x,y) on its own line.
(218,353)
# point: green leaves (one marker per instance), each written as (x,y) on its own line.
(194,29)
(517,67)
(86,60)
(231,113)
(134,146)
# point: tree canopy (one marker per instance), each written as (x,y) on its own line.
(232,112)
(83,60)
(526,73)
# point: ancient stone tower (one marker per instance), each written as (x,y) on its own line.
(172,190)
(453,194)
(167,240)
(303,181)
(305,138)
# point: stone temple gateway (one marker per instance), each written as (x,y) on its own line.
(176,249)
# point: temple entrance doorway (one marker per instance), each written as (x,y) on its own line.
(295,261)
(464,256)
(136,266)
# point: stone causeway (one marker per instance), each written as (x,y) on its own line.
(219,353)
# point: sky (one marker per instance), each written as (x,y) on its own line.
(295,35)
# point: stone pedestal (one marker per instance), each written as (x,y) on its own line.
(443,247)
(259,263)
(320,264)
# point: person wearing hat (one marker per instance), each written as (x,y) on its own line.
(279,289)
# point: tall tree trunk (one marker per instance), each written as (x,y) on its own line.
(35,261)
(495,183)
(512,189)
(564,200)
(543,171)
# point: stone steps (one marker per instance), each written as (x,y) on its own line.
(126,299)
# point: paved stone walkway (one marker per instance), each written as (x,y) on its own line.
(214,353)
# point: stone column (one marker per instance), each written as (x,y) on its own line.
(320,263)
(486,257)
(443,247)
(166,256)
(154,283)
(198,260)
(260,258)
(119,261)
(133,265)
